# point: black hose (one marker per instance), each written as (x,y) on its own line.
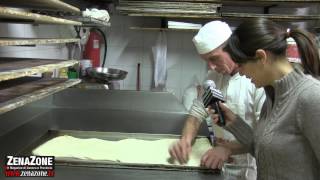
(105,45)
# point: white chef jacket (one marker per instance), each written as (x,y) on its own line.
(244,99)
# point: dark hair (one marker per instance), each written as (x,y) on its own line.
(265,34)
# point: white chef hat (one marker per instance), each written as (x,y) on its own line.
(211,36)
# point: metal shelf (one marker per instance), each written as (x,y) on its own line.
(19,95)
(16,89)
(277,1)
(271,16)
(33,41)
(11,68)
(13,15)
(231,15)
(55,5)
(142,8)
(163,29)
(257,3)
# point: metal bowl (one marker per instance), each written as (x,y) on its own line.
(106,74)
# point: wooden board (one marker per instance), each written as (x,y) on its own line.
(22,86)
(89,21)
(7,14)
(11,68)
(162,11)
(176,15)
(18,92)
(178,5)
(167,8)
(203,9)
(34,41)
(55,5)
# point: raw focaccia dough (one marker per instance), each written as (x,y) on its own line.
(125,151)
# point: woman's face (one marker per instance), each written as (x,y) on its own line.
(254,71)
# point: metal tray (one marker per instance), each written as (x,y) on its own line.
(112,136)
(106,74)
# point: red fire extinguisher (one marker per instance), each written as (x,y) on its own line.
(92,48)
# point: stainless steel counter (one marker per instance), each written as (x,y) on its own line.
(81,173)
(97,110)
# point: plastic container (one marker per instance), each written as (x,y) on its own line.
(84,64)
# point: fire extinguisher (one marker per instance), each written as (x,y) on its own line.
(92,48)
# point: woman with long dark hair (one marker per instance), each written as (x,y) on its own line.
(286,141)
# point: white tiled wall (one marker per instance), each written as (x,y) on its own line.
(127,48)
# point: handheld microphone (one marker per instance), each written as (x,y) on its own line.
(211,97)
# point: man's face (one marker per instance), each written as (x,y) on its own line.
(220,61)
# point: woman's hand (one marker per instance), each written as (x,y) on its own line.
(214,158)
(229,116)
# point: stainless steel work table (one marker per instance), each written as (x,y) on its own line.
(102,111)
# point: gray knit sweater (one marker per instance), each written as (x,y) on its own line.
(286,142)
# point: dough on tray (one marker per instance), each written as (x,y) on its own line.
(125,151)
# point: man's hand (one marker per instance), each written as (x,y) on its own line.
(181,150)
(214,158)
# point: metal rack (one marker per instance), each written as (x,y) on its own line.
(228,10)
(19,95)
(17,89)
(15,93)
(11,68)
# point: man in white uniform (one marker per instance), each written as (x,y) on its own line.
(240,94)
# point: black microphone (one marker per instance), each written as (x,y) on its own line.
(211,97)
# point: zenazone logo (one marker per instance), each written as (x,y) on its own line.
(33,166)
(30,161)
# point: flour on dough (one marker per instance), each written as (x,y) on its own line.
(125,151)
